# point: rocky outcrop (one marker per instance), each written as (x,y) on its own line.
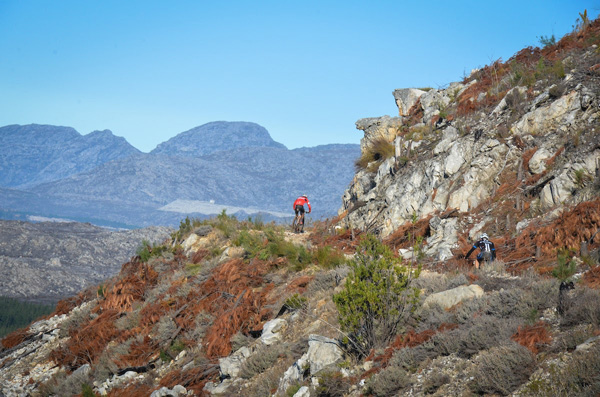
(446,161)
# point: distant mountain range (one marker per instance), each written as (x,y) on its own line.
(100,178)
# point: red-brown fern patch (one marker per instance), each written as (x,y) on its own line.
(15,338)
(87,342)
(132,390)
(591,278)
(299,284)
(405,236)
(533,337)
(193,379)
(140,353)
(136,278)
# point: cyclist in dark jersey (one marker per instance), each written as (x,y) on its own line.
(487,250)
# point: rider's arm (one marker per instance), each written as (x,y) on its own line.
(308,204)
(470,251)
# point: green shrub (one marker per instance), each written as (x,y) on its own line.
(146,250)
(547,41)
(582,177)
(296,302)
(378,296)
(329,258)
(227,224)
(564,268)
(502,369)
(373,155)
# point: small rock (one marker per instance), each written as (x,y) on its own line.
(270,333)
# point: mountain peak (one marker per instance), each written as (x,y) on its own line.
(217,136)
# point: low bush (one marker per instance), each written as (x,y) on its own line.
(434,381)
(485,333)
(432,316)
(388,382)
(332,384)
(506,303)
(328,257)
(502,369)
(410,358)
(260,360)
(568,340)
(373,155)
(481,333)
(583,307)
(466,310)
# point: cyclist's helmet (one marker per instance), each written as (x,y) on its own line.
(304,195)
(484,236)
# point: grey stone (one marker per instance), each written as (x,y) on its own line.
(231,365)
(304,391)
(451,297)
(294,374)
(270,332)
(322,353)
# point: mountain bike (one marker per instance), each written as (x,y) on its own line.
(485,259)
(298,223)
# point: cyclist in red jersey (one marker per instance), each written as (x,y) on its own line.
(299,207)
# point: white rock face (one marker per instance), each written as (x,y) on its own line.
(294,374)
(537,162)
(444,238)
(560,112)
(270,333)
(406,98)
(451,297)
(304,391)
(231,365)
(322,353)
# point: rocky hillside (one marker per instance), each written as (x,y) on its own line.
(506,152)
(379,301)
(34,154)
(48,261)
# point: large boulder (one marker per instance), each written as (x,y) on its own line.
(451,297)
(323,353)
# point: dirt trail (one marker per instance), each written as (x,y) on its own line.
(298,238)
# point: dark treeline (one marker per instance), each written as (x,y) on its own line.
(15,314)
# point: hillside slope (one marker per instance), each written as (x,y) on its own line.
(379,301)
(48,261)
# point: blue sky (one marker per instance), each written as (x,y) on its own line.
(148,70)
